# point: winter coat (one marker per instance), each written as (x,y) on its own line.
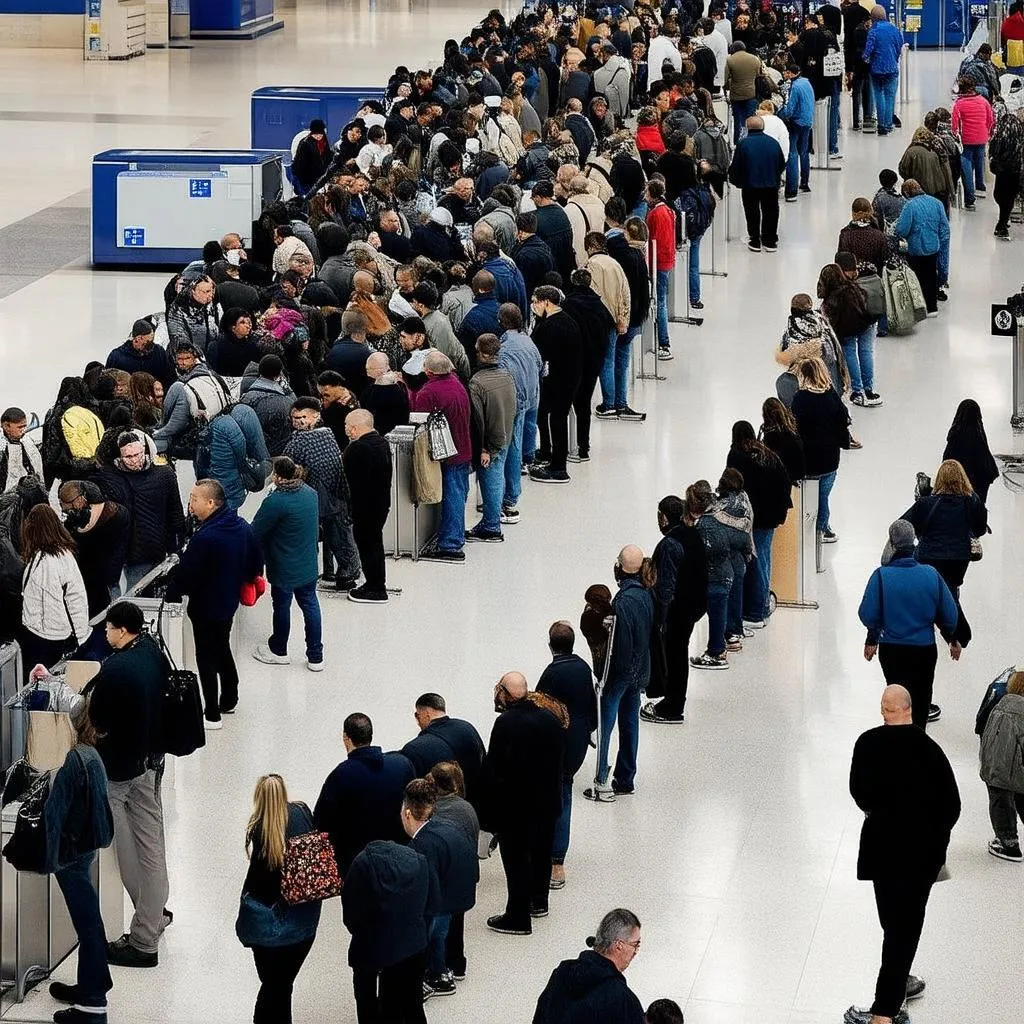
(661,221)
(508,283)
(945,524)
(973,119)
(634,266)
(453,860)
(151,496)
(808,333)
(448,395)
(1002,745)
(586,214)
(554,227)
(596,324)
(929,169)
(533,258)
(189,322)
(76,816)
(569,679)
(589,988)
(272,406)
(766,483)
(153,359)
(54,603)
(609,281)
(824,426)
(26,462)
(866,242)
(974,455)
(441,335)
(235,451)
(101,554)
(633,608)
(843,302)
(177,408)
(318,453)
(582,133)
(757,162)
(924,225)
(903,602)
(681,587)
(613,80)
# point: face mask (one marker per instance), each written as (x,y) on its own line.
(77,518)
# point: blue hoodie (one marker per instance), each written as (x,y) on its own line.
(903,603)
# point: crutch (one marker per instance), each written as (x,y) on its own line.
(599,691)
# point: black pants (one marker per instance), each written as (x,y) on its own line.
(677,668)
(455,945)
(553,423)
(277,967)
(581,402)
(761,207)
(526,858)
(953,570)
(368,531)
(214,661)
(1005,194)
(392,995)
(37,650)
(914,668)
(901,904)
(927,270)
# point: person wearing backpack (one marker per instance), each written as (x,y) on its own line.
(1002,769)
(847,303)
(697,205)
(195,398)
(235,454)
(1006,160)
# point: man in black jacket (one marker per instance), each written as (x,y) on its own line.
(568,679)
(140,354)
(312,157)
(554,227)
(593,986)
(367,462)
(532,255)
(349,353)
(904,784)
(267,397)
(523,770)
(361,799)
(126,707)
(681,592)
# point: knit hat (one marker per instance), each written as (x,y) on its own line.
(317,127)
(141,328)
(439,215)
(902,536)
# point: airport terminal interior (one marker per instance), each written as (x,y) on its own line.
(738,849)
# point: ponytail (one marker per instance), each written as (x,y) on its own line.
(648,575)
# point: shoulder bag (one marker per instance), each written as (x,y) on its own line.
(439,437)
(183,729)
(310,872)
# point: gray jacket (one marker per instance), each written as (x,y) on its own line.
(613,79)
(177,415)
(441,336)
(1002,745)
(492,393)
(272,405)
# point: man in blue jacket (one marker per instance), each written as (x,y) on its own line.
(882,53)
(757,166)
(509,285)
(903,603)
(220,557)
(923,223)
(482,317)
(798,113)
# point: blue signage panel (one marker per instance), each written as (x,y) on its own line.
(200,188)
(134,236)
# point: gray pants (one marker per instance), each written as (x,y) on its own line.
(139,844)
(1003,808)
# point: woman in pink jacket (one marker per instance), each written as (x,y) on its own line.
(973,121)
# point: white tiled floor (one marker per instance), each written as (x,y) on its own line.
(738,851)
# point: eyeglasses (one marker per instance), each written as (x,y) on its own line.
(635,944)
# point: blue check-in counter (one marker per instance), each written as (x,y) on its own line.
(158,206)
(232,19)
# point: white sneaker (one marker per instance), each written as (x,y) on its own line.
(315,666)
(600,794)
(212,726)
(268,657)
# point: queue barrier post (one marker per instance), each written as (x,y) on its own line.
(1017,419)
(649,333)
(821,159)
(714,271)
(796,549)
(679,312)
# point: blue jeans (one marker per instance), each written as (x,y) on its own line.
(859,350)
(93,981)
(734,615)
(759,577)
(885,97)
(798,165)
(620,702)
(825,485)
(663,308)
(514,463)
(623,356)
(607,375)
(451,530)
(741,110)
(718,604)
(530,435)
(560,847)
(492,490)
(340,544)
(437,935)
(972,164)
(833,115)
(693,266)
(309,605)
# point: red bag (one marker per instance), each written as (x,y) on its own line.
(252,591)
(310,869)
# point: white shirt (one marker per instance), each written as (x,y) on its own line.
(717,43)
(725,27)
(371,155)
(776,128)
(662,49)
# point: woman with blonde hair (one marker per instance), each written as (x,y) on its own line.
(824,427)
(279,935)
(1002,770)
(949,523)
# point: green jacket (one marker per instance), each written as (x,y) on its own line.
(287,527)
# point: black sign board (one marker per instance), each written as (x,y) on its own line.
(1003,323)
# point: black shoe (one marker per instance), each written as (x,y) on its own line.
(604,410)
(63,993)
(226,709)
(915,987)
(696,304)
(625,413)
(621,790)
(73,1015)
(583,455)
(536,911)
(805,188)
(487,536)
(942,296)
(344,585)
(440,984)
(458,972)
(168,916)
(364,595)
(438,555)
(754,246)
(500,923)
(934,712)
(1003,233)
(549,476)
(123,954)
(896,122)
(649,713)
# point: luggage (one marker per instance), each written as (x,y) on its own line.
(920,308)
(995,692)
(26,849)
(874,293)
(899,298)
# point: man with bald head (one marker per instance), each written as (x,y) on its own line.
(757,168)
(367,462)
(523,799)
(386,397)
(628,672)
(903,782)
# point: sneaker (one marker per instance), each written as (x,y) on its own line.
(500,923)
(621,790)
(1004,851)
(828,537)
(626,413)
(549,476)
(915,987)
(123,954)
(753,248)
(582,456)
(710,661)
(835,156)
(805,188)
(427,991)
(364,595)
(771,248)
(696,304)
(896,122)
(510,515)
(63,993)
(932,314)
(440,984)
(74,1015)
(224,710)
(791,199)
(754,624)
(604,412)
(872,399)
(268,657)
(857,398)
(734,643)
(863,1015)
(1003,233)
(934,712)
(981,190)
(665,353)
(458,972)
(747,632)
(649,713)
(486,536)
(599,794)
(970,207)
(536,911)
(941,296)
(870,122)
(557,877)
(439,555)
(212,725)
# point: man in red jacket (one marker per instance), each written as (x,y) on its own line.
(661,224)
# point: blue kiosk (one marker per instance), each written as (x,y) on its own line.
(150,206)
(232,19)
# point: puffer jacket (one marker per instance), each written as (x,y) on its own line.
(55,605)
(191,323)
(151,495)
(272,405)
(973,119)
(1002,745)
(735,512)
(718,543)
(235,437)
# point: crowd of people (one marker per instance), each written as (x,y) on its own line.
(484,247)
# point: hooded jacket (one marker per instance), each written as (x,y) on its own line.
(681,587)
(1002,745)
(235,451)
(633,607)
(766,483)
(585,306)
(927,167)
(267,398)
(533,258)
(286,526)
(152,359)
(589,988)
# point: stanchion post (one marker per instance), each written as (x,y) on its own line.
(574,443)
(649,334)
(1017,419)
(674,315)
(714,271)
(822,156)
(806,510)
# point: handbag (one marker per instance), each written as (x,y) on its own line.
(252,591)
(310,871)
(426,474)
(439,437)
(183,729)
(49,739)
(259,925)
(26,849)
(976,549)
(832,64)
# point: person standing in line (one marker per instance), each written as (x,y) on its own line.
(280,936)
(779,433)
(661,224)
(757,167)
(924,225)
(973,120)
(732,508)
(568,679)
(1002,769)
(1006,161)
(628,673)
(968,444)
(126,701)
(863,238)
(904,784)
(492,396)
(285,527)
(19,456)
(741,72)
(882,52)
(221,556)
(367,462)
(523,780)
(903,602)
(798,113)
